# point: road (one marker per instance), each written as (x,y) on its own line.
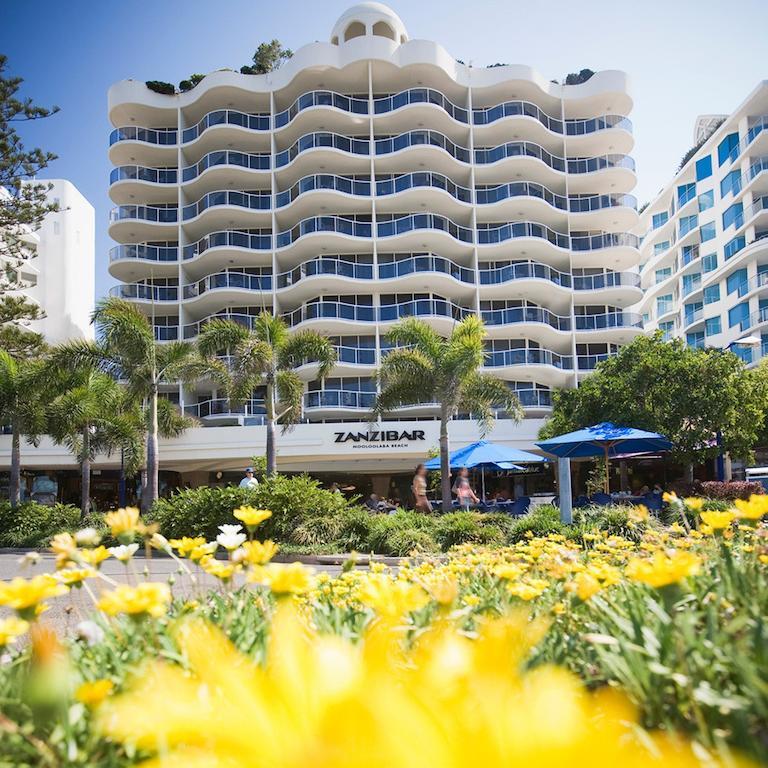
(67,611)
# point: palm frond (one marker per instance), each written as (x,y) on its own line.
(412,332)
(407,376)
(290,393)
(220,335)
(124,331)
(271,330)
(482,393)
(308,346)
(171,422)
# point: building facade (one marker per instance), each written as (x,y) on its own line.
(370,178)
(704,256)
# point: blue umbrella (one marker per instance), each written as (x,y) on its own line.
(607,440)
(486,455)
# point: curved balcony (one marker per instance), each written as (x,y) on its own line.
(141,173)
(420,179)
(526,315)
(159,136)
(323,181)
(333,315)
(337,225)
(500,192)
(504,358)
(251,122)
(153,146)
(191,330)
(421,137)
(590,362)
(245,160)
(126,260)
(521,229)
(241,281)
(349,360)
(333,399)
(604,240)
(418,265)
(143,222)
(220,410)
(607,320)
(500,282)
(325,140)
(148,213)
(143,292)
(249,200)
(324,267)
(166,332)
(435,308)
(534,398)
(228,239)
(419,222)
(339,101)
(385,104)
(606,280)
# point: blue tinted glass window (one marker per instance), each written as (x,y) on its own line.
(739,315)
(726,147)
(690,252)
(711,294)
(704,168)
(691,310)
(691,282)
(706,200)
(663,274)
(712,326)
(667,329)
(707,231)
(734,280)
(659,219)
(734,246)
(687,223)
(663,304)
(695,339)
(685,192)
(659,247)
(731,183)
(732,215)
(709,262)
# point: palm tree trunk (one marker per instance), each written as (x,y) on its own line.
(85,474)
(14,489)
(271,436)
(151,492)
(445,466)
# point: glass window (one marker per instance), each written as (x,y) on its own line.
(709,262)
(706,200)
(690,253)
(659,247)
(659,219)
(707,231)
(739,315)
(704,168)
(646,318)
(712,326)
(663,274)
(695,339)
(726,149)
(712,294)
(685,193)
(736,279)
(691,282)
(667,329)
(663,304)
(732,215)
(732,247)
(731,183)
(687,223)
(691,310)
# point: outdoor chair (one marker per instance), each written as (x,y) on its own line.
(581,501)
(602,499)
(520,506)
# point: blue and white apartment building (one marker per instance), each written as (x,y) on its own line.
(704,256)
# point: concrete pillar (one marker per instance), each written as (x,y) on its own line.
(564,489)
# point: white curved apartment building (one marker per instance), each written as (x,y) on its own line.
(705,252)
(370,178)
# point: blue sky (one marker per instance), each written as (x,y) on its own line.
(685,57)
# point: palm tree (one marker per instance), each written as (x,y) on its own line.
(127,350)
(266,356)
(93,414)
(22,406)
(424,367)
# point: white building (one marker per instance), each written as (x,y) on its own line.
(370,178)
(704,254)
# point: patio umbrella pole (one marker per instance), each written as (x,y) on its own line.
(482,475)
(607,482)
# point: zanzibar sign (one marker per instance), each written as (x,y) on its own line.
(386,438)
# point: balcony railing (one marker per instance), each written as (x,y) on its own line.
(406,181)
(515,315)
(508,357)
(349,104)
(191,330)
(333,310)
(384,104)
(252,201)
(143,292)
(754,130)
(229,239)
(140,173)
(753,283)
(166,332)
(259,122)
(606,280)
(336,224)
(523,270)
(340,398)
(418,221)
(422,137)
(423,308)
(487,155)
(253,161)
(253,410)
(590,362)
(159,136)
(144,213)
(425,263)
(359,187)
(145,252)
(326,266)
(322,139)
(608,320)
(604,240)
(240,280)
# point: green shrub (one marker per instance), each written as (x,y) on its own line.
(159,86)
(33,525)
(541,522)
(293,501)
(355,532)
(462,527)
(401,532)
(408,541)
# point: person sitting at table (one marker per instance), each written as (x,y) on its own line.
(644,490)
(372,502)
(464,493)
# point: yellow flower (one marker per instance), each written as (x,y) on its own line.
(185,545)
(251,517)
(326,701)
(392,597)
(64,546)
(718,520)
(639,514)
(558,609)
(694,503)
(221,569)
(670,498)
(443,590)
(93,556)
(148,598)
(124,522)
(74,577)
(259,552)
(754,509)
(527,590)
(471,600)
(584,586)
(92,693)
(11,628)
(202,551)
(292,579)
(24,595)
(663,569)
